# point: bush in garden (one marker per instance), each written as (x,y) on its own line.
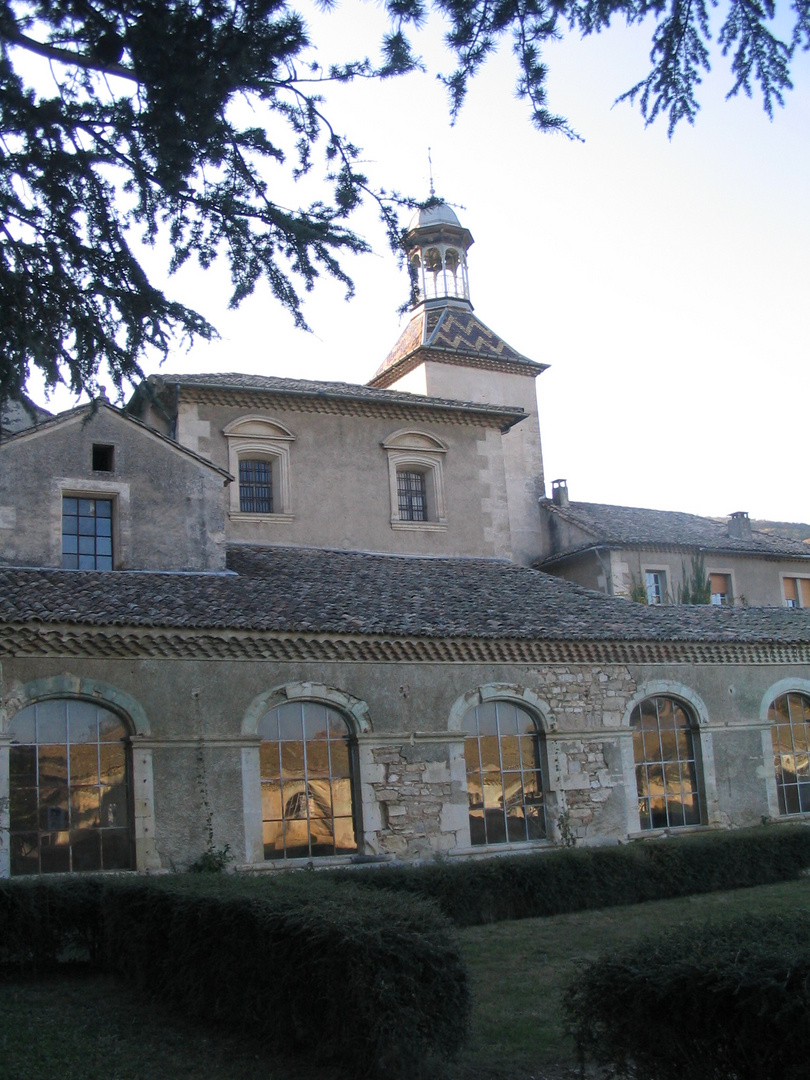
(473,892)
(726,1001)
(373,983)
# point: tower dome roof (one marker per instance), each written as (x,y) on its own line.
(439,213)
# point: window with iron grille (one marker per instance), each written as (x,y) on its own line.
(87,542)
(307,778)
(255,486)
(504,777)
(69,801)
(790,719)
(666,767)
(411,496)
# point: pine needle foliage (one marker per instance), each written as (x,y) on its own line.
(139,131)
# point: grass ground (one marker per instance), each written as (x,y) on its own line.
(80,1026)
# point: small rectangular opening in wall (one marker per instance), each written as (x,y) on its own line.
(103,457)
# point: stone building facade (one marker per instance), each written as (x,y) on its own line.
(297,621)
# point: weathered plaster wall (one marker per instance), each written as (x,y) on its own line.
(410,749)
(340,493)
(168,511)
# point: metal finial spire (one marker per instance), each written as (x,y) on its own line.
(430,170)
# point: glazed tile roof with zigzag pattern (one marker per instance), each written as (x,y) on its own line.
(453,330)
(309,590)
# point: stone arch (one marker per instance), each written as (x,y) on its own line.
(76,687)
(353,709)
(518,695)
(671,689)
(778,689)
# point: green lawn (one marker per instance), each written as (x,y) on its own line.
(87,1027)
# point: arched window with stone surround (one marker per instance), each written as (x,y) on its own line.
(307,766)
(666,765)
(504,774)
(789,715)
(69,789)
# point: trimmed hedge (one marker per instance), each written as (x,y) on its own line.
(727,1001)
(45,922)
(376,984)
(554,882)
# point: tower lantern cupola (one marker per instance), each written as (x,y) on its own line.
(437,245)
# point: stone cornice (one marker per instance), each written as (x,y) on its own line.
(421,354)
(44,639)
(324,403)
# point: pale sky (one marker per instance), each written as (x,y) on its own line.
(665,283)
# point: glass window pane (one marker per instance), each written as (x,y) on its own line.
(84,764)
(86,849)
(82,722)
(317,759)
(84,808)
(51,721)
(269,763)
(23,808)
(113,808)
(24,853)
(113,763)
(507,718)
(52,764)
(115,849)
(340,758)
(54,853)
(315,720)
(23,765)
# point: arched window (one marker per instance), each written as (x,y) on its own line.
(790,719)
(69,789)
(307,782)
(504,778)
(666,768)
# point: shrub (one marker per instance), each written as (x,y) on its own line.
(554,882)
(374,983)
(44,922)
(729,1001)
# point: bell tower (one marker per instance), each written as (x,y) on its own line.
(437,245)
(446,351)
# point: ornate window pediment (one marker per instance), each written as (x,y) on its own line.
(259,457)
(416,480)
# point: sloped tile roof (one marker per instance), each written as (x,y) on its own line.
(455,331)
(634,526)
(303,590)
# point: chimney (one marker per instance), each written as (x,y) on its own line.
(559,492)
(739,527)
